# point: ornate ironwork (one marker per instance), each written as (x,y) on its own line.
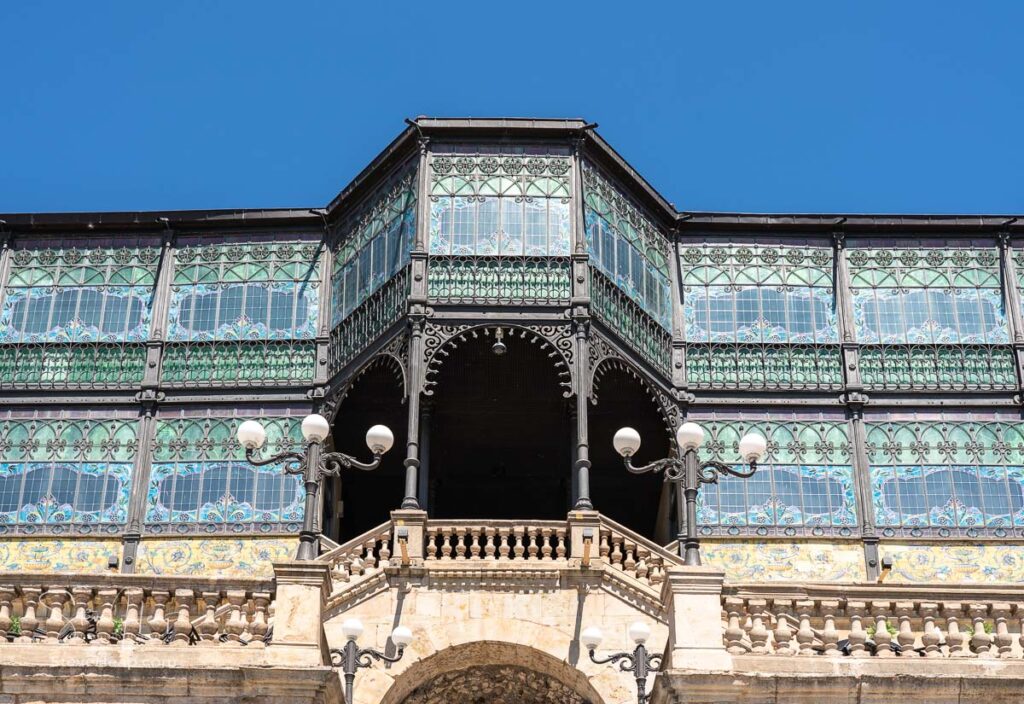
(351,658)
(952,367)
(77,365)
(495,280)
(630,323)
(251,362)
(604,357)
(369,321)
(725,365)
(639,662)
(439,340)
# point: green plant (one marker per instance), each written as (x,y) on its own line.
(118,626)
(888,626)
(15,629)
(969,630)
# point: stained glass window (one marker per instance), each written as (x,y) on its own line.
(758,294)
(79,295)
(244,292)
(947,475)
(374,245)
(922,296)
(500,205)
(65,474)
(805,481)
(200,476)
(626,246)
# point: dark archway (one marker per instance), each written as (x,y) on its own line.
(499,432)
(635,501)
(358,501)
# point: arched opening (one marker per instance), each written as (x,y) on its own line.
(357,501)
(637,501)
(489,672)
(499,432)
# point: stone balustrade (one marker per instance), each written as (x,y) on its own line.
(147,611)
(496,540)
(633,554)
(879,621)
(361,557)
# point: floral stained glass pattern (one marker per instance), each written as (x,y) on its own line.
(805,480)
(200,478)
(79,295)
(374,245)
(947,476)
(929,297)
(245,292)
(627,247)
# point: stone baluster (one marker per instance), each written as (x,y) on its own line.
(106,599)
(385,549)
(183,601)
(1019,610)
(883,639)
(29,622)
(804,633)
(615,557)
(460,544)
(783,633)
(236,623)
(981,642)
(158,621)
(734,633)
(489,548)
(446,546)
(133,597)
(560,536)
(931,637)
(55,598)
(642,567)
(430,547)
(208,626)
(628,562)
(520,548)
(545,542)
(758,609)
(905,634)
(80,597)
(657,574)
(474,542)
(504,548)
(372,547)
(1002,639)
(829,634)
(531,547)
(856,610)
(603,549)
(6,599)
(954,637)
(259,625)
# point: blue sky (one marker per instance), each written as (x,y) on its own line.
(761,106)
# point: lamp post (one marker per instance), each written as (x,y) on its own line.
(687,474)
(639,662)
(351,657)
(313,465)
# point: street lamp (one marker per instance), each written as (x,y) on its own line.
(639,662)
(351,657)
(313,465)
(688,474)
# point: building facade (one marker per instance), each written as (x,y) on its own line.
(505,294)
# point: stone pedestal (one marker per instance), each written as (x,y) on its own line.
(409,525)
(584,526)
(298,640)
(693,601)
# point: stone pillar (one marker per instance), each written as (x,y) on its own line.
(413,525)
(298,640)
(692,598)
(584,526)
